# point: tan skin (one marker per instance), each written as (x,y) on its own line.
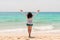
(29,30)
(29,27)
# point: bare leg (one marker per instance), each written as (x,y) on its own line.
(29,30)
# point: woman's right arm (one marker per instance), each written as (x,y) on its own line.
(21,11)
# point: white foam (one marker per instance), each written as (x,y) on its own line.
(14,30)
(44,27)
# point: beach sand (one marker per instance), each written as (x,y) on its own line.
(34,37)
(16,35)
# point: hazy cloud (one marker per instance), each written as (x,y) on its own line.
(30,5)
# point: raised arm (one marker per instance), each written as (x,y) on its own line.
(21,11)
(35,13)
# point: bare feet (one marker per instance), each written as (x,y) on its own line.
(31,37)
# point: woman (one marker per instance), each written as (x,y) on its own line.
(29,20)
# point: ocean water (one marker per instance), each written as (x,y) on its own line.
(45,18)
(40,17)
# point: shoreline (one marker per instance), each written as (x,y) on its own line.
(16,34)
(33,30)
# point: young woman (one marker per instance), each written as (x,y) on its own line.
(29,16)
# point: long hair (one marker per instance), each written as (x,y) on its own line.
(29,15)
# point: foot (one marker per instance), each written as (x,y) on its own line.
(31,37)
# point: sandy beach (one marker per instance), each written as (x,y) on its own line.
(19,17)
(13,34)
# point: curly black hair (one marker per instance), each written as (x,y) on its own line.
(29,15)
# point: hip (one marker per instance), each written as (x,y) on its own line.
(29,24)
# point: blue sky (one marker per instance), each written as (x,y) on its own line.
(30,5)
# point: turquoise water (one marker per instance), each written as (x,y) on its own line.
(41,17)
(16,19)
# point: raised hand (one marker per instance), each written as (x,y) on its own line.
(38,10)
(21,10)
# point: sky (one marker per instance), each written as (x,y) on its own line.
(29,5)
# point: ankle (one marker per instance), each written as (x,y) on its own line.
(29,36)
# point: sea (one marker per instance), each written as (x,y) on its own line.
(9,20)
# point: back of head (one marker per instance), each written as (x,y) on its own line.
(29,15)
